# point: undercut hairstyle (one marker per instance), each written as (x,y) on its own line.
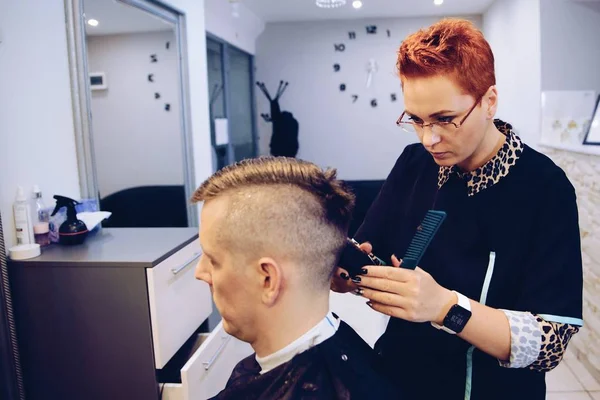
(453,47)
(283,208)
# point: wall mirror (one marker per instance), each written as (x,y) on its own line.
(131,108)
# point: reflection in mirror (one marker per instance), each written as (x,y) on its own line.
(135,104)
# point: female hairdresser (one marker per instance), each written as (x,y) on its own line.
(498,293)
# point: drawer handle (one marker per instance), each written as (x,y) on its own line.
(177,270)
(209,363)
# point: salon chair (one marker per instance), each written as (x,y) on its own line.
(146,207)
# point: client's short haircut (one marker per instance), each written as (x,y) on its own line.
(283,208)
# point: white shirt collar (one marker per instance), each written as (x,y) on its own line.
(325,329)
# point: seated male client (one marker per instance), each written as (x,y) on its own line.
(271,232)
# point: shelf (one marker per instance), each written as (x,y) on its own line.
(581,149)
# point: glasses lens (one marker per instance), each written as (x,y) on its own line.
(407,127)
(438,128)
(442,127)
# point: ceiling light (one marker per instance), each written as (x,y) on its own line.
(357,4)
(438,2)
(92,22)
(235,10)
(330,3)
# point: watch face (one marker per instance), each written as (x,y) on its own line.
(457,318)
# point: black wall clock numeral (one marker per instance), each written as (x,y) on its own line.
(354,98)
(150,77)
(389,33)
(352,35)
(336,67)
(168,45)
(157,95)
(372,29)
(339,47)
(153,58)
(167,107)
(393,96)
(343,87)
(374,103)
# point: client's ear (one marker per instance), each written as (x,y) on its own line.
(272,280)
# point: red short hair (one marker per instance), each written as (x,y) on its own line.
(452,47)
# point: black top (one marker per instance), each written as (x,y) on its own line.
(520,227)
(342,367)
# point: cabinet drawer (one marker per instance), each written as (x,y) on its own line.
(208,369)
(178,302)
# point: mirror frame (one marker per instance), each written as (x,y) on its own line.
(81,96)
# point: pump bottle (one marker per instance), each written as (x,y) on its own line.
(41,218)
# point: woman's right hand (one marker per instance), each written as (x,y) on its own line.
(341,282)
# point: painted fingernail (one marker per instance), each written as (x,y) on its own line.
(358,292)
(344,276)
(397,259)
(356,279)
(364,271)
(370,304)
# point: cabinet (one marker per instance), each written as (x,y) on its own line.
(105,320)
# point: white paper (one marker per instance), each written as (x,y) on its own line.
(221,131)
(91,219)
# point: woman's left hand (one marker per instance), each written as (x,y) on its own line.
(411,295)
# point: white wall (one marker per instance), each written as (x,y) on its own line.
(36,120)
(570,49)
(512,27)
(136,141)
(362,142)
(198,85)
(240,31)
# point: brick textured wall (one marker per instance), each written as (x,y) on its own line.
(584,172)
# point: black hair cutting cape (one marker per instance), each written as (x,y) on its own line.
(341,367)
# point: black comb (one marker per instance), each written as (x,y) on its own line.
(425,233)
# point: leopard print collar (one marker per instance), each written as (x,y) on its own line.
(491,172)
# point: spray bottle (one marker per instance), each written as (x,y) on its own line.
(73,231)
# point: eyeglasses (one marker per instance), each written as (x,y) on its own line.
(411,126)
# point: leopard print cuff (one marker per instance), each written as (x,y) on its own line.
(525,339)
(536,343)
(555,338)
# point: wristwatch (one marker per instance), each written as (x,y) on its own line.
(457,317)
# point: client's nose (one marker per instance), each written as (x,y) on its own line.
(203,271)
